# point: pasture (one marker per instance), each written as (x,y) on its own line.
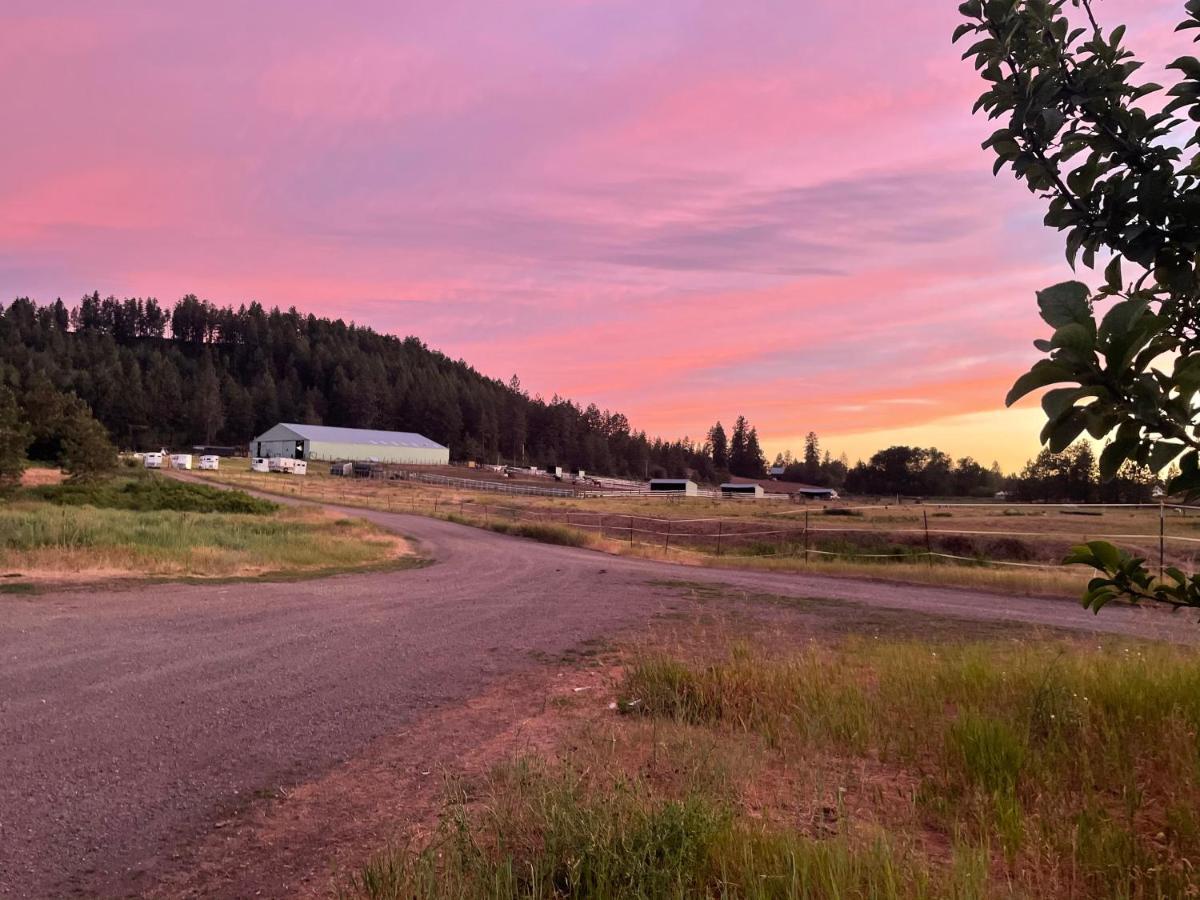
(999,545)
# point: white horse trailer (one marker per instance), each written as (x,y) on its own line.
(181,460)
(259,464)
(152,460)
(210,463)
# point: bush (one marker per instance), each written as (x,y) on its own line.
(841,511)
(540,531)
(148,493)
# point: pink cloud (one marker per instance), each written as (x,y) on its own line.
(683,210)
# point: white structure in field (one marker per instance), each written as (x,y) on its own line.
(673,486)
(309,442)
(259,464)
(181,460)
(152,460)
(287,465)
(210,463)
(750,489)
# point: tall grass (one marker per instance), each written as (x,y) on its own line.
(542,834)
(1080,767)
(56,541)
(145,492)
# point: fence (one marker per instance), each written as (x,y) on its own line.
(719,536)
(771,535)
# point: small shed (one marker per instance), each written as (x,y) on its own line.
(210,463)
(181,460)
(751,489)
(153,460)
(674,486)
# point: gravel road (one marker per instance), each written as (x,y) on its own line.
(134,719)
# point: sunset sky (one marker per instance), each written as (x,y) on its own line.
(681,210)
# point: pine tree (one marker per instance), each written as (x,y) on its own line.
(812,458)
(720,447)
(14,441)
(87,451)
(207,412)
(738,460)
(756,463)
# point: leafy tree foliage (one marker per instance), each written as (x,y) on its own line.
(1076,128)
(918,472)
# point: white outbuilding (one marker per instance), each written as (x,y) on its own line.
(674,486)
(152,460)
(749,489)
(181,460)
(309,442)
(210,463)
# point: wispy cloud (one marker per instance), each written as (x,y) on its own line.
(682,209)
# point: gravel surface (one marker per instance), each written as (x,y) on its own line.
(133,720)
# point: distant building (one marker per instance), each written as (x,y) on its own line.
(743,489)
(794,489)
(309,442)
(776,471)
(673,486)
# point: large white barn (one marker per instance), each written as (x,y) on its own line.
(308,442)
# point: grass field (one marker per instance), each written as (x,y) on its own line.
(1004,547)
(769,763)
(147,526)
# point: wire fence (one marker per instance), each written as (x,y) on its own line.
(797,536)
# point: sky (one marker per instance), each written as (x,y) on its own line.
(683,210)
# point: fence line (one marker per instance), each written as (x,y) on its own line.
(621,525)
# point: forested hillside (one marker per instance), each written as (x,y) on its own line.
(201,374)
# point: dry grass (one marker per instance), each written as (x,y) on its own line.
(46,544)
(882,767)
(1004,532)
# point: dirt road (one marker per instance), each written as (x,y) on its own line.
(133,720)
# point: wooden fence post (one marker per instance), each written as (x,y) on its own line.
(631,531)
(667,539)
(1162,539)
(720,530)
(806,537)
(928,542)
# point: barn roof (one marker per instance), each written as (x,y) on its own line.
(366,436)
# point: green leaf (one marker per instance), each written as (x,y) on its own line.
(1112,274)
(1115,454)
(1043,373)
(1064,303)
(1060,433)
(1163,454)
(1106,554)
(1059,400)
(1075,336)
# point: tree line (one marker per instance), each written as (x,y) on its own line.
(200,374)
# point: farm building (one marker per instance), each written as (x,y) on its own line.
(310,442)
(749,489)
(673,486)
(793,489)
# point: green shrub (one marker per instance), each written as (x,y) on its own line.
(542,531)
(145,493)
